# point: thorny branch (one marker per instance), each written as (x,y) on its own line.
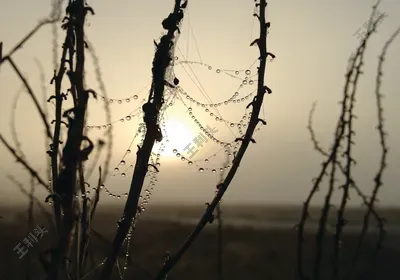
(24,163)
(254,120)
(384,150)
(344,130)
(151,109)
(72,154)
(31,94)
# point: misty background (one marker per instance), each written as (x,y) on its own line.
(312,42)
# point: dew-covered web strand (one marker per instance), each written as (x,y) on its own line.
(193,35)
(204,93)
(201,88)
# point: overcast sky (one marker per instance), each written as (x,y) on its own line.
(312,41)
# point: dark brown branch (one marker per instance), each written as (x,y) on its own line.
(72,154)
(39,204)
(162,60)
(24,163)
(27,37)
(384,151)
(208,215)
(32,95)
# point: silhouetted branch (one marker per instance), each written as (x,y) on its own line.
(32,95)
(72,153)
(344,130)
(162,60)
(24,163)
(37,201)
(384,150)
(254,119)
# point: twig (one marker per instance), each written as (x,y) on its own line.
(32,95)
(37,201)
(162,60)
(24,163)
(72,154)
(27,37)
(341,222)
(254,120)
(384,151)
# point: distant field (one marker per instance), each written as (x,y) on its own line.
(250,252)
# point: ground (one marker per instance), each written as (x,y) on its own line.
(259,243)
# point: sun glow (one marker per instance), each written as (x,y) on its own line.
(179,136)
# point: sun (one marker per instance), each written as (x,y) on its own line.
(179,136)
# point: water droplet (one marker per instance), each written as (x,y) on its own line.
(176,58)
(218,71)
(135,97)
(178,154)
(122,162)
(251,82)
(248,72)
(213,171)
(221,169)
(102,99)
(111,100)
(237,72)
(190,162)
(174,151)
(206,160)
(183,158)
(116,169)
(244,82)
(119,101)
(232,124)
(209,67)
(201,169)
(127,100)
(128,118)
(190,109)
(128,151)
(122,120)
(101,186)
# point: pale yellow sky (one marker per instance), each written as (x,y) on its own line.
(312,41)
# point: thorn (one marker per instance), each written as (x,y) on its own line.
(51,97)
(267,89)
(92,92)
(250,104)
(271,55)
(262,121)
(184,5)
(256,41)
(152,165)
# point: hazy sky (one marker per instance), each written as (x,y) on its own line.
(312,41)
